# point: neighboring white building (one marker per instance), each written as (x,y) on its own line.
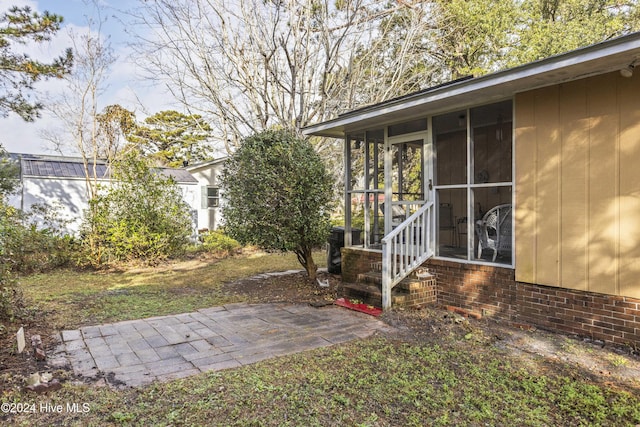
(59,183)
(209,207)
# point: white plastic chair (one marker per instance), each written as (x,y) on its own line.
(494,231)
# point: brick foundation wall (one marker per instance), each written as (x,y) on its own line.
(493,292)
(423,291)
(356,261)
(603,317)
(486,290)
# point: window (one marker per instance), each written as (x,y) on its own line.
(473,183)
(210,197)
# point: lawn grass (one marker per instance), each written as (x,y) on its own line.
(379,381)
(73,298)
(372,382)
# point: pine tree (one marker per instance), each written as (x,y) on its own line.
(19,72)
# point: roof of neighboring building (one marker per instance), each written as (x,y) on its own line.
(182,176)
(48,166)
(608,56)
(201,165)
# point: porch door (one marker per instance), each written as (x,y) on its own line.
(408,169)
(364,183)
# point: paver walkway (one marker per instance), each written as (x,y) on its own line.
(138,352)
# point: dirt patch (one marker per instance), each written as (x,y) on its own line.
(15,368)
(291,287)
(529,346)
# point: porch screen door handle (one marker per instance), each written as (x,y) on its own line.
(430,185)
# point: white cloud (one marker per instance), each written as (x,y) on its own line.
(18,136)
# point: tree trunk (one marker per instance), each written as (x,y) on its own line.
(305,258)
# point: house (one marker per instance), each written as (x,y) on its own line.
(58,182)
(209,210)
(514,195)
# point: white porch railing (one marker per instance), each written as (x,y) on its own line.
(405,249)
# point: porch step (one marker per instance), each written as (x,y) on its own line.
(370,294)
(412,291)
(410,283)
(370,277)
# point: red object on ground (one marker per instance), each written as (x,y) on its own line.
(463,312)
(363,308)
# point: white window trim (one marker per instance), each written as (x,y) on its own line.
(469,187)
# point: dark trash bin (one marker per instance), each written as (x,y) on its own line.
(336,241)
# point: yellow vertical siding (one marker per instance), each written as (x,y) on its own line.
(548,144)
(629,183)
(525,183)
(578,185)
(603,172)
(574,196)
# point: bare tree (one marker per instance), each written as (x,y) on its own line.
(77,108)
(248,65)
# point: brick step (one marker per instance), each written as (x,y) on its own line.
(371,278)
(411,282)
(412,291)
(371,294)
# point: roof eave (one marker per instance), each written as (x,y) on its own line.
(596,59)
(205,164)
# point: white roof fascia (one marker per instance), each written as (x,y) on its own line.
(596,59)
(206,164)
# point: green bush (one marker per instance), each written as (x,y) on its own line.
(16,234)
(38,250)
(28,246)
(7,289)
(219,243)
(140,217)
(278,195)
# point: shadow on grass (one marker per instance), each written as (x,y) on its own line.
(73,299)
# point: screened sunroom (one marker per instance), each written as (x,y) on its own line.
(459,162)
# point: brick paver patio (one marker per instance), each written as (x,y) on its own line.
(138,352)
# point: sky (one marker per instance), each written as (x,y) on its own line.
(125,86)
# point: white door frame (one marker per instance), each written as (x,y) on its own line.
(427,171)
